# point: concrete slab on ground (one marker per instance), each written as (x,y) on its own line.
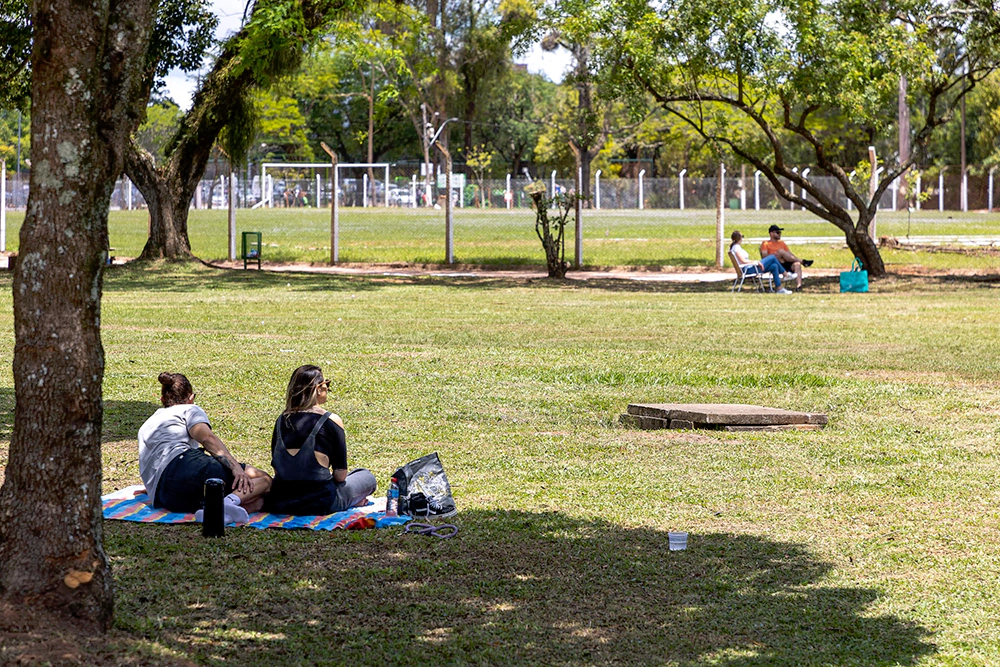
(724,416)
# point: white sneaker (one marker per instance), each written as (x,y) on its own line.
(783,291)
(790,276)
(233,514)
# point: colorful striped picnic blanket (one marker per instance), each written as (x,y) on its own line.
(124,505)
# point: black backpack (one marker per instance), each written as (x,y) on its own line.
(424,490)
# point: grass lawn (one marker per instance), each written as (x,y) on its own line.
(873,542)
(491,237)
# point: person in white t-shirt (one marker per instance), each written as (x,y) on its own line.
(769,264)
(178,451)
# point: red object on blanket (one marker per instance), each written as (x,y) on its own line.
(361,523)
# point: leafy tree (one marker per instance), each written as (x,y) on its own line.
(282,127)
(162,121)
(87,92)
(15,54)
(9,138)
(808,76)
(340,119)
(515,115)
(479,160)
(271,45)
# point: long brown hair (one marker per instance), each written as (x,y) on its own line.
(736,237)
(176,389)
(303,388)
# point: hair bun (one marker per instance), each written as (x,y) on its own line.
(166,379)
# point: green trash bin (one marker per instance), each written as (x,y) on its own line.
(251,248)
(734,203)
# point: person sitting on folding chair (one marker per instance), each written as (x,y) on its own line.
(769,264)
(775,247)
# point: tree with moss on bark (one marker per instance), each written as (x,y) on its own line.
(87,97)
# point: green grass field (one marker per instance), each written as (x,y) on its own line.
(491,237)
(873,542)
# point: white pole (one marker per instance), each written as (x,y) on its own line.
(232,215)
(791,189)
(597,190)
(641,174)
(319,190)
(941,190)
(335,205)
(508,196)
(917,198)
(872,186)
(743,190)
(413,190)
(681,186)
(578,206)
(364,191)
(387,186)
(895,193)
(553,190)
(3,205)
(222,184)
(263,185)
(805,173)
(128,195)
(992,169)
(720,216)
(965,191)
(850,206)
(756,190)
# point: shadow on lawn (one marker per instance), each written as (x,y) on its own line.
(122,419)
(512,588)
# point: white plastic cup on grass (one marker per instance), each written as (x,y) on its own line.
(677,541)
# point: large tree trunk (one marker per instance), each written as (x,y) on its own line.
(86,101)
(864,248)
(168,206)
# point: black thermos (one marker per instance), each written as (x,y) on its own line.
(214,521)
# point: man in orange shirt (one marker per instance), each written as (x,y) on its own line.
(775,246)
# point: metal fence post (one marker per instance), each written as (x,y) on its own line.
(681,186)
(941,190)
(916,199)
(992,169)
(756,190)
(508,196)
(3,205)
(232,214)
(579,218)
(720,215)
(597,190)
(642,172)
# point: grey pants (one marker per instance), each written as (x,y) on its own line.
(356,488)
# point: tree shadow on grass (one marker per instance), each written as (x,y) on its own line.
(511,588)
(122,419)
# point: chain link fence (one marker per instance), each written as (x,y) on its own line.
(394,213)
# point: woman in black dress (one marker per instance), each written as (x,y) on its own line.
(309,454)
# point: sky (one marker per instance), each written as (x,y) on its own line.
(180,87)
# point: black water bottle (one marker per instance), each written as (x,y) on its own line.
(214,521)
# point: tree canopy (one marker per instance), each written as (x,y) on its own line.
(775,82)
